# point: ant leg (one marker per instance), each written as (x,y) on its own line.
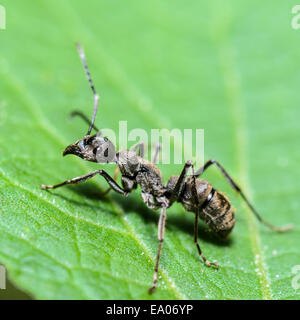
(88,176)
(113,184)
(83,117)
(141,147)
(107,191)
(96,96)
(175,195)
(210,264)
(116,173)
(156,153)
(180,182)
(237,188)
(161,232)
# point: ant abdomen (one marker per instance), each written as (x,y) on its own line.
(218,214)
(213,206)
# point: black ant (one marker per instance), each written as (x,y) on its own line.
(196,195)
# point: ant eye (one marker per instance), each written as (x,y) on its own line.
(105,139)
(167,194)
(89,141)
(106,153)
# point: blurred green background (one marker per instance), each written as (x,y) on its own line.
(231,68)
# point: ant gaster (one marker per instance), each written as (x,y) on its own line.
(195,194)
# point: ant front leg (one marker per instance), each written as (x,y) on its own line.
(237,189)
(161,233)
(116,173)
(88,176)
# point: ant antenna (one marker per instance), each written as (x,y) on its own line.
(96,96)
(83,117)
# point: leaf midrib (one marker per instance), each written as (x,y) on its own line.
(233,90)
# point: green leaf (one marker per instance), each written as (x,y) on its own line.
(230,68)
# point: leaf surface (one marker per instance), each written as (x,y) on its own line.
(231,69)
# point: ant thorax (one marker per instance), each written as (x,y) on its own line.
(145,174)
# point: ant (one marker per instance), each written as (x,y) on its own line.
(196,195)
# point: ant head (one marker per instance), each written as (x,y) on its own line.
(93,148)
